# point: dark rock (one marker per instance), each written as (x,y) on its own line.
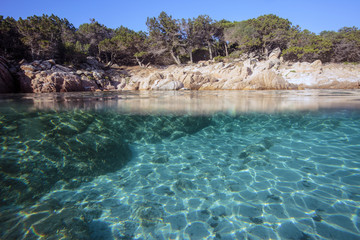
(9,166)
(72,146)
(213,222)
(317,218)
(125,231)
(41,220)
(7,82)
(256,220)
(274,198)
(137,127)
(243,155)
(68,220)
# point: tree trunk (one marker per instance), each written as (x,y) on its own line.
(210,51)
(176,58)
(113,55)
(226,49)
(139,62)
(266,52)
(98,56)
(32,54)
(106,57)
(191,56)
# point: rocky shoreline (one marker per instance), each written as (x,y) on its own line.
(239,74)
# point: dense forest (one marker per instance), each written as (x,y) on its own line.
(170,40)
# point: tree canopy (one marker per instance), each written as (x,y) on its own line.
(169,40)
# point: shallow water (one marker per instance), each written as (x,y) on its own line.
(181,165)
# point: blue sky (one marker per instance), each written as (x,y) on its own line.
(314,15)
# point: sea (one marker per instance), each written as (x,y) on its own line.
(180,165)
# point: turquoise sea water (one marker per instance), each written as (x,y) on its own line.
(180,165)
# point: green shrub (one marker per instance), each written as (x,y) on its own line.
(219,58)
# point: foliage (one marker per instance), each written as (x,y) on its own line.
(165,34)
(307,46)
(92,34)
(219,58)
(45,35)
(125,46)
(205,28)
(10,43)
(190,37)
(260,35)
(173,40)
(346,44)
(244,34)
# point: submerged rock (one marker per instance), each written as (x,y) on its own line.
(47,221)
(40,149)
(44,148)
(152,129)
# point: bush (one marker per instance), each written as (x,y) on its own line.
(219,58)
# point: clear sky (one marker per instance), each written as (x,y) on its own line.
(314,15)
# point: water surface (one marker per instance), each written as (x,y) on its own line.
(181,165)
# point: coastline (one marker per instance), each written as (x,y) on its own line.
(238,74)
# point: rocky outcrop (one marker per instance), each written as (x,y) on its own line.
(92,64)
(318,75)
(267,80)
(252,74)
(158,81)
(275,54)
(167,84)
(7,82)
(239,74)
(47,76)
(249,74)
